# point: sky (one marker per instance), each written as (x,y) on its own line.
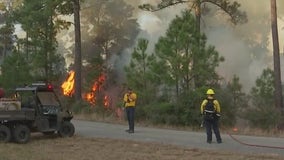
(230,41)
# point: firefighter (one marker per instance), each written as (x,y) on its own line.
(210,109)
(129,99)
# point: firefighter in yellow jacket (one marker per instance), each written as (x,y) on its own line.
(210,109)
(129,99)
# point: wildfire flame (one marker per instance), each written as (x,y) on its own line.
(106,101)
(68,89)
(68,85)
(96,91)
(91,96)
(98,84)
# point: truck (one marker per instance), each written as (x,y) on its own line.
(33,108)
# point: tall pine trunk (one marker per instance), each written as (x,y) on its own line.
(78,57)
(276,57)
(196,79)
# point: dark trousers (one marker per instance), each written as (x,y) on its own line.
(130,112)
(209,125)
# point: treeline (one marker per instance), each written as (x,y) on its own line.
(172,81)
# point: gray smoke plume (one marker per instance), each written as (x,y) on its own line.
(247,48)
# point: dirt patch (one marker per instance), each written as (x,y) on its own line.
(79,148)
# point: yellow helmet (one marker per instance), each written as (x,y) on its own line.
(210,91)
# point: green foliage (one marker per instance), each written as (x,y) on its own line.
(165,78)
(197,6)
(239,100)
(15,71)
(194,99)
(7,39)
(160,113)
(176,51)
(264,117)
(139,73)
(186,112)
(263,93)
(189,111)
(7,29)
(41,22)
(228,110)
(263,114)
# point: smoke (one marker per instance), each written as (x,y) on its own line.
(243,46)
(153,25)
(238,59)
(247,48)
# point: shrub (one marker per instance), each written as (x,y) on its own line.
(266,118)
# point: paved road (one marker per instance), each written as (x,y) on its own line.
(181,138)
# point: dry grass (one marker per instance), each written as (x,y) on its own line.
(78,148)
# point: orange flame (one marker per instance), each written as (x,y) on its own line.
(68,89)
(106,101)
(98,84)
(91,96)
(68,85)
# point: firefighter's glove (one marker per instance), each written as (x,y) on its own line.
(217,117)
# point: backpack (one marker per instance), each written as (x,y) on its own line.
(209,110)
(209,107)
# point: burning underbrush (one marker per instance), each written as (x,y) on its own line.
(97,99)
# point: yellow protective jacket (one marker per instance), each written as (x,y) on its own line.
(216,105)
(129,99)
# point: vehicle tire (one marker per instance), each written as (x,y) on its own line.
(5,134)
(21,134)
(67,129)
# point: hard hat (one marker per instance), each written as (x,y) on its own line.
(210,91)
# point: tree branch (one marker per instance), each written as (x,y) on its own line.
(231,9)
(162,5)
